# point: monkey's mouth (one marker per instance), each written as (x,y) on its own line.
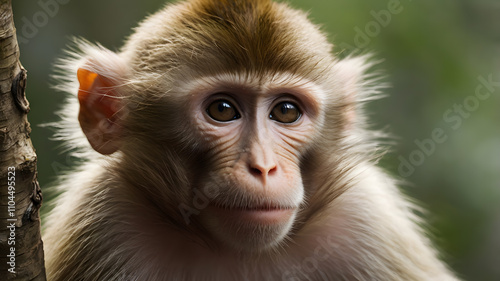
(266,214)
(254,207)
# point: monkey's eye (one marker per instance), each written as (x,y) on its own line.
(222,111)
(285,112)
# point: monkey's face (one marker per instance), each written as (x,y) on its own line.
(255,134)
(214,112)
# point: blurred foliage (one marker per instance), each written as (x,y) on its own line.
(433,53)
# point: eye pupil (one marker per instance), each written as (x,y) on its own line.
(223,106)
(285,107)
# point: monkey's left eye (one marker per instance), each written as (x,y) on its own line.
(285,112)
(222,111)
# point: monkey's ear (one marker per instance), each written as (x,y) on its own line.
(99,111)
(357,86)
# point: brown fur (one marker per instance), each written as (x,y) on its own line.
(123,216)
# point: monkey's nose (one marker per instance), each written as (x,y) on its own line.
(262,162)
(262,171)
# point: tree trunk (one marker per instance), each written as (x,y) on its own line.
(21,248)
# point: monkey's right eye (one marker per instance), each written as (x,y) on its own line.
(222,111)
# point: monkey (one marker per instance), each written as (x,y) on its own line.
(227,141)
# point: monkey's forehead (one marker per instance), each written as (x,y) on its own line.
(214,36)
(255,87)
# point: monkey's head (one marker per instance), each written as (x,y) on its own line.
(214,110)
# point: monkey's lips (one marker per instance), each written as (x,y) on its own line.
(263,215)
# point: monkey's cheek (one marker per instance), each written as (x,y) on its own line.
(250,230)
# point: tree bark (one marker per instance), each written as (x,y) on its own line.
(21,248)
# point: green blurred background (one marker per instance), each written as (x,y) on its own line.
(433,53)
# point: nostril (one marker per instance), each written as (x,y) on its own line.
(272,170)
(255,171)
(259,172)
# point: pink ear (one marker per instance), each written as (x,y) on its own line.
(356,86)
(99,111)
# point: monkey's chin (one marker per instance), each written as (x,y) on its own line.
(250,229)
